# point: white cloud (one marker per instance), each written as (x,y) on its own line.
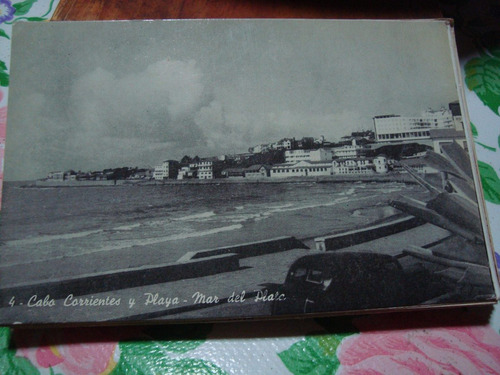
(227,130)
(117,118)
(165,91)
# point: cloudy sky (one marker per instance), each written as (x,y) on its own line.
(91,95)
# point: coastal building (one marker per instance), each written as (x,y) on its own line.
(351,151)
(397,128)
(283,144)
(381,164)
(205,170)
(167,169)
(186,172)
(362,166)
(233,173)
(258,171)
(242,157)
(301,169)
(142,174)
(288,143)
(352,166)
(321,154)
(57,175)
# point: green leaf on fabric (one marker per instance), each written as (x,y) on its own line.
(482,75)
(4,338)
(194,366)
(180,339)
(21,366)
(489,148)
(36,19)
(4,79)
(490,182)
(3,34)
(149,357)
(138,356)
(329,343)
(474,130)
(23,7)
(9,363)
(313,355)
(4,76)
(182,346)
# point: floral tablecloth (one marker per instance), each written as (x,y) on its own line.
(463,341)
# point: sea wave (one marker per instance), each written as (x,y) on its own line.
(51,237)
(138,242)
(350,191)
(127,227)
(202,215)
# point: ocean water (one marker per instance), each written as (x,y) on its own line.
(96,228)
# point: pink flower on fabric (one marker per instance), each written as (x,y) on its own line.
(433,350)
(72,352)
(3,125)
(3,122)
(48,356)
(87,358)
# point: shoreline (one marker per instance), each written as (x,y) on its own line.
(395,177)
(170,250)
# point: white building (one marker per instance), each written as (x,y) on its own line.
(396,128)
(167,169)
(351,151)
(142,174)
(362,166)
(301,169)
(57,175)
(257,171)
(321,154)
(205,170)
(381,164)
(288,143)
(185,173)
(352,166)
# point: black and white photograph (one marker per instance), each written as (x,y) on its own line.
(234,169)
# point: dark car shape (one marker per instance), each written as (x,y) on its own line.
(342,281)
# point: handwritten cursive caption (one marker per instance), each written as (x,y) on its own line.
(147,299)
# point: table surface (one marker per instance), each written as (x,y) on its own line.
(463,341)
(160,9)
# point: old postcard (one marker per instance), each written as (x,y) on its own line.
(233,169)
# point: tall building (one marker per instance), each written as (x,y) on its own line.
(397,128)
(167,169)
(205,170)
